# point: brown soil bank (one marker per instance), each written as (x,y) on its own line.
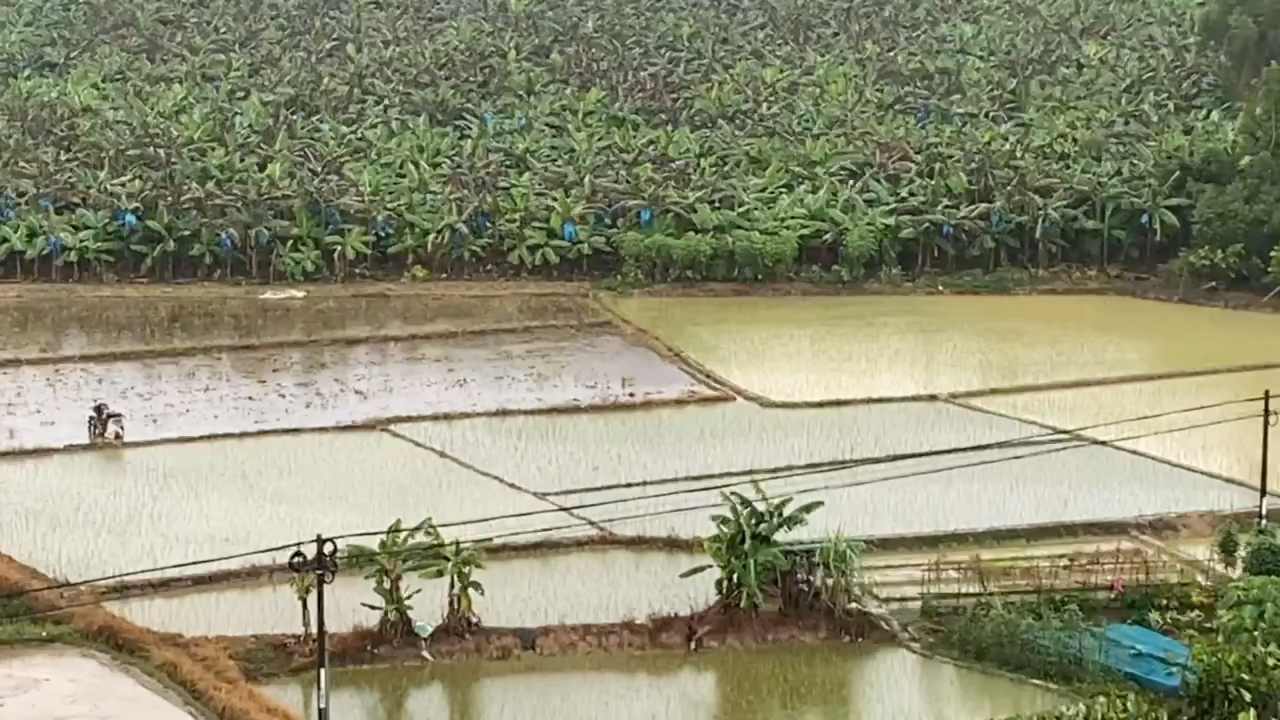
(1061,282)
(224,692)
(60,324)
(266,656)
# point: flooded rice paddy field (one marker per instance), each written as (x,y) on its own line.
(853,682)
(1232,449)
(804,349)
(45,406)
(85,514)
(584,586)
(578,458)
(70,684)
(41,327)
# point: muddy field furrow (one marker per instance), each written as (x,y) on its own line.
(250,391)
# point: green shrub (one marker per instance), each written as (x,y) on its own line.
(1263,555)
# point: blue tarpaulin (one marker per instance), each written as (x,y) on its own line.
(1146,657)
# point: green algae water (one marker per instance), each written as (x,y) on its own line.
(841,682)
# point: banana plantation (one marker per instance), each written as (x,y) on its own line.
(664,140)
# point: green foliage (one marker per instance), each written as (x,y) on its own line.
(1047,641)
(419,550)
(459,563)
(1116,705)
(1247,33)
(1237,666)
(1235,663)
(1228,545)
(303,586)
(16,625)
(1239,215)
(1263,555)
(747,549)
(291,140)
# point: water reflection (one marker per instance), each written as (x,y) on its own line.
(821,683)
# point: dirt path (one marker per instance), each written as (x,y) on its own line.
(1064,281)
(39,683)
(225,693)
(36,291)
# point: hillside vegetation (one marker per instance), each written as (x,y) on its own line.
(668,139)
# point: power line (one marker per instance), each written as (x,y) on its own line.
(667,511)
(1044,438)
(830,467)
(795,472)
(161,568)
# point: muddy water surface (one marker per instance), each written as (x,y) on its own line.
(45,406)
(821,348)
(71,325)
(584,586)
(848,682)
(578,456)
(1233,449)
(88,514)
(48,683)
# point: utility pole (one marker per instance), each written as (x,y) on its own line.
(1266,449)
(325,565)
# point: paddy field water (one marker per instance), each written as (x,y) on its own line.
(1232,449)
(245,391)
(852,681)
(86,514)
(581,586)
(629,470)
(806,349)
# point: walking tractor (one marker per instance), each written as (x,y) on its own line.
(105,425)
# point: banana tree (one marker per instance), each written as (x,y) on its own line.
(401,551)
(91,242)
(346,246)
(303,586)
(746,547)
(459,563)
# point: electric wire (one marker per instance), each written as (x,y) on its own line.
(1047,437)
(1071,443)
(146,592)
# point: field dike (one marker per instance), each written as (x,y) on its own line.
(339,340)
(218,687)
(186,321)
(262,657)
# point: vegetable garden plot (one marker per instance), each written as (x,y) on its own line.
(45,406)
